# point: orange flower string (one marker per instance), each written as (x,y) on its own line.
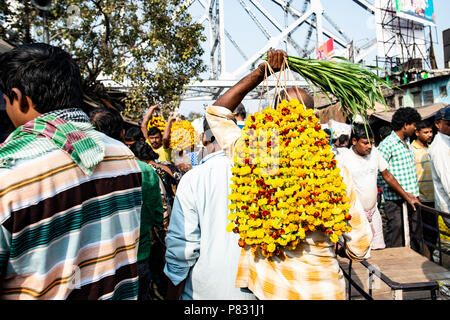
(183,136)
(157,121)
(285,182)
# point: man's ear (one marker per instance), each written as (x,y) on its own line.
(24,101)
(204,140)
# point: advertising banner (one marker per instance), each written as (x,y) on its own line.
(421,11)
(326,50)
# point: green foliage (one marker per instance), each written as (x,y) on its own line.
(151,46)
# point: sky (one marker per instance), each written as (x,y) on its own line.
(357,24)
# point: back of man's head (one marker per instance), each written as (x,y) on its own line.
(299,94)
(384,131)
(46,74)
(404,116)
(240,111)
(208,132)
(133,134)
(108,121)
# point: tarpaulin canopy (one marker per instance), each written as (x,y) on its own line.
(426,112)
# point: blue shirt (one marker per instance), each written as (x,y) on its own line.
(198,246)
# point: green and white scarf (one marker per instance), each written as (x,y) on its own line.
(68,129)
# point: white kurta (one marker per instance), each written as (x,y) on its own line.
(439,152)
(364,171)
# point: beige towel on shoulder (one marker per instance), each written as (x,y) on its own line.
(224,129)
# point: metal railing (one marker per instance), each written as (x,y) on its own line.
(418,236)
(422,226)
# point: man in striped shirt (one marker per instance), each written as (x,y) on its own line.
(397,151)
(70,197)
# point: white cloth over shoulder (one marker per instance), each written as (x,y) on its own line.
(439,152)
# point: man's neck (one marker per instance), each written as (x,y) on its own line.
(401,135)
(357,153)
(421,144)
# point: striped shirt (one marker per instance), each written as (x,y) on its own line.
(401,165)
(67,235)
(424,174)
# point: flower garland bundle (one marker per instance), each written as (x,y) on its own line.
(285,182)
(157,121)
(183,136)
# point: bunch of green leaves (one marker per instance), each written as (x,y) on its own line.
(356,86)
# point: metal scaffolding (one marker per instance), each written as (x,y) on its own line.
(308,15)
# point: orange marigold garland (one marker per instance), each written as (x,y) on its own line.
(285,182)
(157,121)
(183,136)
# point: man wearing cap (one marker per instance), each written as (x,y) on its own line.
(440,166)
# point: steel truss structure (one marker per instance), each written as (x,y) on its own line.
(308,15)
(401,40)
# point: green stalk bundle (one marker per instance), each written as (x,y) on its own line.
(356,86)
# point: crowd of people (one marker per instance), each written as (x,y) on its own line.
(89,210)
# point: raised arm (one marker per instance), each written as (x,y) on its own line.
(234,96)
(166,137)
(146,119)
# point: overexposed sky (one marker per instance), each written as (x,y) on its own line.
(357,24)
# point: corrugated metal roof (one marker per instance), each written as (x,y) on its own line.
(426,112)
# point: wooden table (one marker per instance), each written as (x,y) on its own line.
(392,272)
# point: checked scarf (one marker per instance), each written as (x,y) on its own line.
(68,129)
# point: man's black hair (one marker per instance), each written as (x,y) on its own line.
(46,74)
(404,116)
(143,151)
(154,130)
(133,134)
(207,130)
(385,131)
(240,111)
(359,131)
(343,138)
(109,121)
(424,124)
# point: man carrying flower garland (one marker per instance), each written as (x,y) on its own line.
(159,142)
(311,271)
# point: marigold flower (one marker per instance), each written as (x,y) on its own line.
(285,181)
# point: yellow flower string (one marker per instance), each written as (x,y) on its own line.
(285,182)
(157,121)
(183,136)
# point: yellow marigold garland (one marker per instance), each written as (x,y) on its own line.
(157,121)
(285,182)
(183,136)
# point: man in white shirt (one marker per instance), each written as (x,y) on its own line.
(364,162)
(439,152)
(201,256)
